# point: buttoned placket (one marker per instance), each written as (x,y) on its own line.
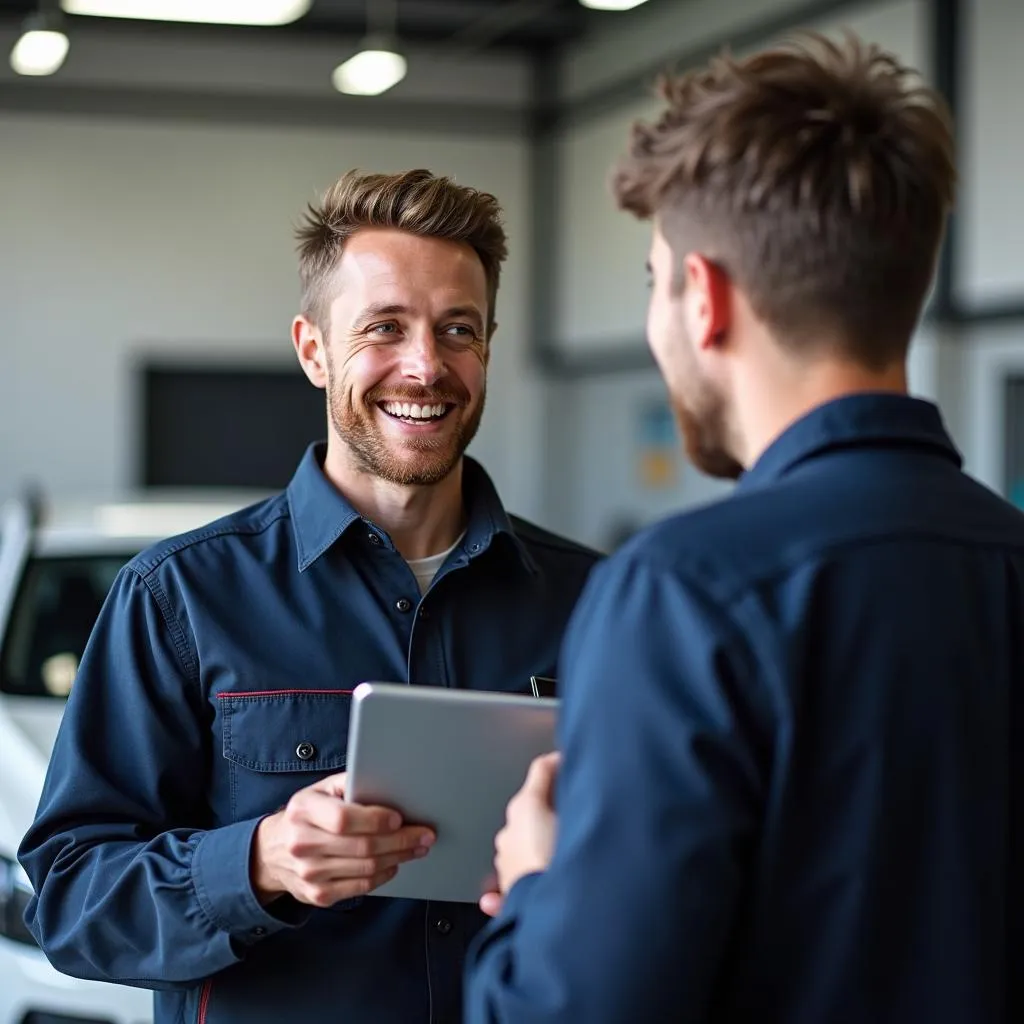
(425,661)
(419,618)
(424,620)
(425,656)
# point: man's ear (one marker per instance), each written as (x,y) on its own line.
(309,343)
(707,294)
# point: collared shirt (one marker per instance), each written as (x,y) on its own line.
(216,684)
(786,786)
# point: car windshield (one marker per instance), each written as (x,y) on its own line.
(53,615)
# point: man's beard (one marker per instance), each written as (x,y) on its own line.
(704,447)
(421,461)
(703,421)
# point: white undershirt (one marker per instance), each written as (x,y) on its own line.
(425,569)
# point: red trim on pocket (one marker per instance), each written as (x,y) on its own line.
(281,693)
(204,1000)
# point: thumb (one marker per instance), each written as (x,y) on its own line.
(541,777)
(490,903)
(333,785)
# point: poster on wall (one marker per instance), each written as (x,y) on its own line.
(658,454)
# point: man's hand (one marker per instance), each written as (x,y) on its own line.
(322,850)
(527,841)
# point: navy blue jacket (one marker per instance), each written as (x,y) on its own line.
(786,794)
(217,656)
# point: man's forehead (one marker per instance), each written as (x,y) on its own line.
(408,260)
(384,245)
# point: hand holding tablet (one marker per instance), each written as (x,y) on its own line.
(450,760)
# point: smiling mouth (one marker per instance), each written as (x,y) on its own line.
(415,412)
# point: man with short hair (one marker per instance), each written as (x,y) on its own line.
(192,835)
(791,721)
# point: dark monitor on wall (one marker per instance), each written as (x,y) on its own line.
(226,427)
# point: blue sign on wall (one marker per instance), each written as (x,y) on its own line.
(658,445)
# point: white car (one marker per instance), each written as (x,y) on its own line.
(56,567)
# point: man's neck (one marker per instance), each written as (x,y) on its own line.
(768,411)
(420,520)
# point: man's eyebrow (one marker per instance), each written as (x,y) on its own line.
(373,312)
(379,309)
(469,312)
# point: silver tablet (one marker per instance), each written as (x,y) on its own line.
(450,759)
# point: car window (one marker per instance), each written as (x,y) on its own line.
(54,613)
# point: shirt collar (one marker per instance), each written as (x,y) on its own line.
(320,514)
(854,420)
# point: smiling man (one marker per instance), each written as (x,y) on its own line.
(192,836)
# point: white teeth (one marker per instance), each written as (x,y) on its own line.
(414,411)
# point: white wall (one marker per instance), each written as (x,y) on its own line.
(992,152)
(120,239)
(990,254)
(601,253)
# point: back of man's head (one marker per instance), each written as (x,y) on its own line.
(817,175)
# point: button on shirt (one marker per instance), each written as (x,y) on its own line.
(216,684)
(789,792)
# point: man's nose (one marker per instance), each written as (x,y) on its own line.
(421,359)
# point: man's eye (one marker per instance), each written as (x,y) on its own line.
(384,329)
(460,331)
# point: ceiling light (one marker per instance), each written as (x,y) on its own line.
(370,72)
(41,49)
(612,5)
(213,12)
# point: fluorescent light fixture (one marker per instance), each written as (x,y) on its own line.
(612,5)
(211,12)
(369,73)
(39,52)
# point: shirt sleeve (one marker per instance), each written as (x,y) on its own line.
(664,751)
(131,885)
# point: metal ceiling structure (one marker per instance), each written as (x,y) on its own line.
(525,25)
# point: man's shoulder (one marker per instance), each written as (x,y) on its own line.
(553,546)
(722,547)
(224,536)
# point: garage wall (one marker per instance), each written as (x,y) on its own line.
(990,259)
(989,265)
(121,238)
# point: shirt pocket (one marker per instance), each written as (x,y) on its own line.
(278,742)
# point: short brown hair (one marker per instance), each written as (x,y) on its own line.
(817,174)
(415,201)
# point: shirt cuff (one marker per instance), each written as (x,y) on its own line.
(518,896)
(221,875)
(498,929)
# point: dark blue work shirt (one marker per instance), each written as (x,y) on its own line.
(216,684)
(786,727)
